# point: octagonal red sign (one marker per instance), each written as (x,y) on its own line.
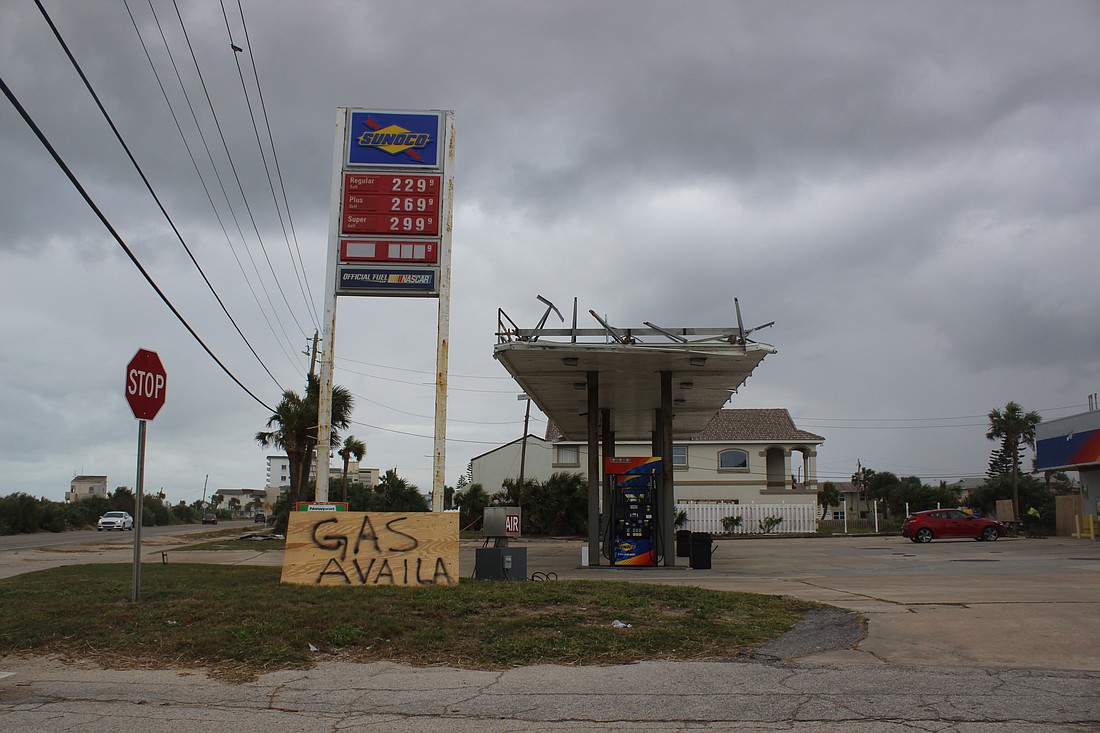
(146,384)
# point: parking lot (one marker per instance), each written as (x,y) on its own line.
(1015,602)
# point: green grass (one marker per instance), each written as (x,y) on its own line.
(239,621)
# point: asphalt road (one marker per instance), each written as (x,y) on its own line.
(960,636)
(46,540)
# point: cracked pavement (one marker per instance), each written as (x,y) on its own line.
(953,636)
(46,695)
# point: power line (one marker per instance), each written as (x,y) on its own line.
(88,199)
(275,157)
(217,176)
(267,170)
(233,167)
(449,419)
(450,375)
(426,384)
(149,186)
(418,435)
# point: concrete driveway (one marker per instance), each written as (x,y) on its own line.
(1031,603)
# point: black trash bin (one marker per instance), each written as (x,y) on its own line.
(700,550)
(683,543)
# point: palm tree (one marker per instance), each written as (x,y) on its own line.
(398,495)
(295,430)
(353,447)
(828,496)
(1014,428)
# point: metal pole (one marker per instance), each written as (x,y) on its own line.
(668,484)
(594,481)
(876,516)
(845,500)
(439,461)
(138,506)
(328,346)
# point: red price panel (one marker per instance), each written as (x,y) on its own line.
(390,203)
(419,251)
(355,223)
(374,184)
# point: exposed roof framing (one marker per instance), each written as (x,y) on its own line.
(706,365)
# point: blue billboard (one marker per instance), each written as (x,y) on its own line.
(393,139)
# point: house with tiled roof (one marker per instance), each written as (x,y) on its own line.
(742,455)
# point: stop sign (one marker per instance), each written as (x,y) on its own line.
(146,384)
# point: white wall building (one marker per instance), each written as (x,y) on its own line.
(278,472)
(742,455)
(85,487)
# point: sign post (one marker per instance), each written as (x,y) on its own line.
(146,385)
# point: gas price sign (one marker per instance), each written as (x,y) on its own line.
(391,205)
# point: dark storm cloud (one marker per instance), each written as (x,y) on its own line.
(906,188)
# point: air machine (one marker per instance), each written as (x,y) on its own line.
(633,534)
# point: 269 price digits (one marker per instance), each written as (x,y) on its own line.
(412,203)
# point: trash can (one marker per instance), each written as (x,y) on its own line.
(700,550)
(683,543)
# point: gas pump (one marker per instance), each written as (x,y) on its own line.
(633,535)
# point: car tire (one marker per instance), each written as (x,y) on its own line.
(99,529)
(914,540)
(990,534)
(924,535)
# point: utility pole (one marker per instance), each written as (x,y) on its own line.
(312,353)
(523,449)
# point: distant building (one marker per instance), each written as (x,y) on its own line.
(249,501)
(85,487)
(278,473)
(743,455)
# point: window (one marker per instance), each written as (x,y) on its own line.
(679,456)
(732,460)
(567,455)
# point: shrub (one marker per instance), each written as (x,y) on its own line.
(768,524)
(730,523)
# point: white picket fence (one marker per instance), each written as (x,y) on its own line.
(706,516)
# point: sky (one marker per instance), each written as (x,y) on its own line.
(908,189)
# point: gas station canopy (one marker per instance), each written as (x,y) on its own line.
(706,366)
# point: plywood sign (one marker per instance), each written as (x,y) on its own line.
(371,548)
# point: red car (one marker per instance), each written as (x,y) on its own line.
(942,523)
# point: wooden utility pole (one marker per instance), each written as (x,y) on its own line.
(312,355)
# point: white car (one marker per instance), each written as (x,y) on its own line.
(115,520)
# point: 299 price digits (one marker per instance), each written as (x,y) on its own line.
(419,224)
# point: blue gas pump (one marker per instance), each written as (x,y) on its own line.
(633,534)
